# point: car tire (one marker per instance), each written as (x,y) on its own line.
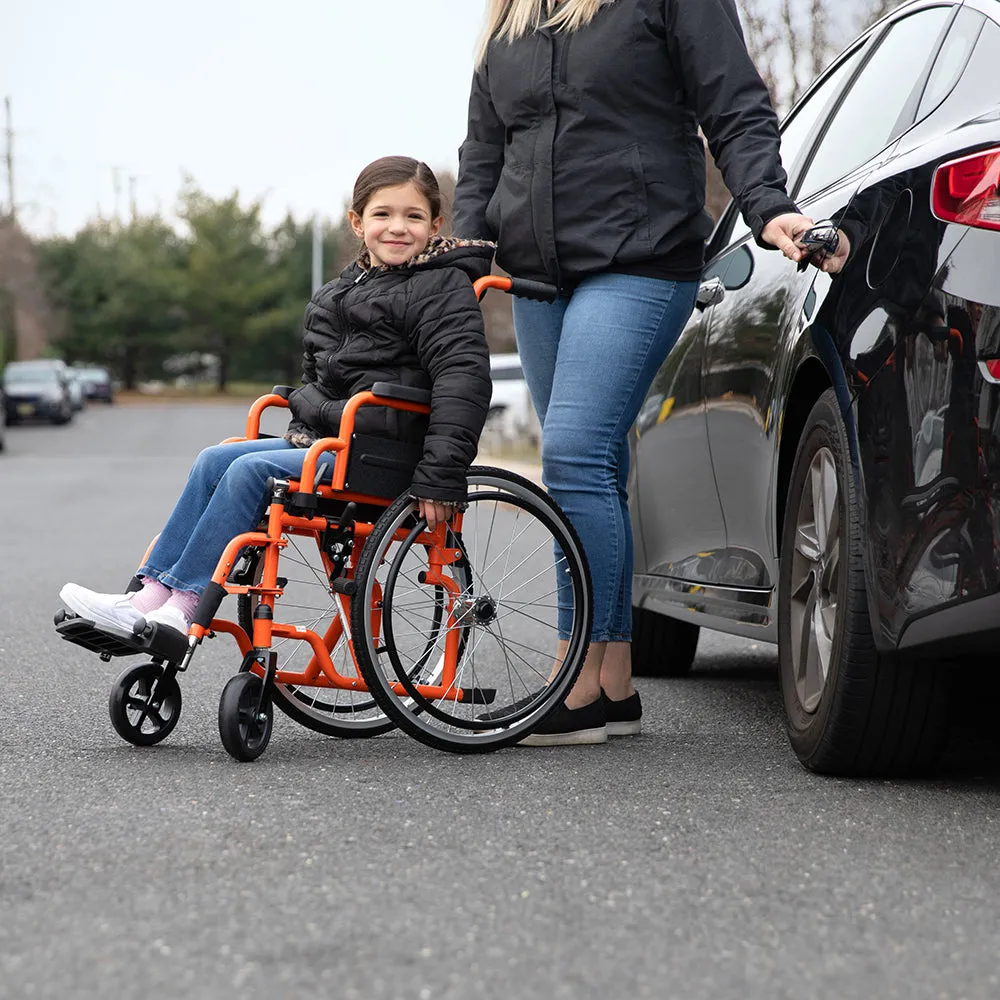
(661,646)
(849,709)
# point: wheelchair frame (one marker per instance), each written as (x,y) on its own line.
(145,700)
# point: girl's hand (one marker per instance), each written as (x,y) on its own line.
(434,512)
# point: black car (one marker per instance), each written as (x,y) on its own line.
(818,461)
(34,391)
(96,383)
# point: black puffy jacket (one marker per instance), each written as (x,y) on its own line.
(583,153)
(418,325)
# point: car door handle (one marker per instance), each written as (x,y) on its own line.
(710,293)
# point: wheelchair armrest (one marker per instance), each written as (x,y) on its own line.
(284,391)
(409,393)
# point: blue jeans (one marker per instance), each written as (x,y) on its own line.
(225,495)
(589,359)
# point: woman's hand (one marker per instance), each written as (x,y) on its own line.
(782,231)
(434,512)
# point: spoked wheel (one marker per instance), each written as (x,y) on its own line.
(309,603)
(245,717)
(466,656)
(145,704)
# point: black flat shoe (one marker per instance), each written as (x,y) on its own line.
(571,727)
(625,716)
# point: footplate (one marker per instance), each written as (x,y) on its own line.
(167,645)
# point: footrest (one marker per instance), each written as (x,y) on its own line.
(161,643)
(85,633)
(479,696)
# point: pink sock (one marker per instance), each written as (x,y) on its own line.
(152,596)
(185,601)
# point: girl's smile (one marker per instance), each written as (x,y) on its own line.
(396,224)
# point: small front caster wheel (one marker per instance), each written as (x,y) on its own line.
(145,705)
(245,718)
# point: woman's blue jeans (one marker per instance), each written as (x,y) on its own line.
(589,359)
(225,495)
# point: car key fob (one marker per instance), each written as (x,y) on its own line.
(822,239)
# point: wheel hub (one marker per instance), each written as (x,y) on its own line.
(815,579)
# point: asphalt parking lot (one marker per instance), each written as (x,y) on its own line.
(697,860)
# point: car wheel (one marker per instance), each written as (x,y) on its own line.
(849,710)
(661,646)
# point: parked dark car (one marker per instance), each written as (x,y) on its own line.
(35,391)
(96,383)
(818,461)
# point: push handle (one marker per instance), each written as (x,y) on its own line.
(523,287)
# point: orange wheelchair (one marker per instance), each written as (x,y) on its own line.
(352,618)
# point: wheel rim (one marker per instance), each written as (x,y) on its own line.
(254,728)
(149,711)
(504,609)
(815,579)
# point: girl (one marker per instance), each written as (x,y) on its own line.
(405,312)
(583,160)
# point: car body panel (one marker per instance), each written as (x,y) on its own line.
(899,334)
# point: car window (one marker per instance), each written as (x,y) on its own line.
(796,128)
(951,59)
(863,124)
(507,374)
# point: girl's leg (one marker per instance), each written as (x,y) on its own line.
(616,331)
(236,505)
(121,611)
(208,469)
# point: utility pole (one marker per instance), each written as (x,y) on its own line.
(9,134)
(116,179)
(133,210)
(317,257)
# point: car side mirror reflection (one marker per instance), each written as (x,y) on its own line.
(725,275)
(740,268)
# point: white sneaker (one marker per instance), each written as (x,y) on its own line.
(114,611)
(169,616)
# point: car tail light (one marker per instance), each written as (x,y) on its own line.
(966,190)
(990,370)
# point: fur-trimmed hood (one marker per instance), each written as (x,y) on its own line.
(475,257)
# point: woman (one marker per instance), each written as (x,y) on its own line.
(584,162)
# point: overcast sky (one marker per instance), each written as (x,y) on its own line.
(281,100)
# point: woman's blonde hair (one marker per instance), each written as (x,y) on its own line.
(510,19)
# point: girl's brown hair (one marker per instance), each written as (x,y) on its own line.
(391,171)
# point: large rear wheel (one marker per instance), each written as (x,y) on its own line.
(489,676)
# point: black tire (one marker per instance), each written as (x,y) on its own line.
(245,732)
(662,646)
(144,705)
(309,603)
(502,613)
(849,709)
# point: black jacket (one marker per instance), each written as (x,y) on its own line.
(583,153)
(419,325)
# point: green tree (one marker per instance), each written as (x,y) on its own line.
(229,280)
(121,290)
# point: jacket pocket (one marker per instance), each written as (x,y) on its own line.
(509,216)
(601,210)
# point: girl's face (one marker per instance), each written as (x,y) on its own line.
(396,224)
